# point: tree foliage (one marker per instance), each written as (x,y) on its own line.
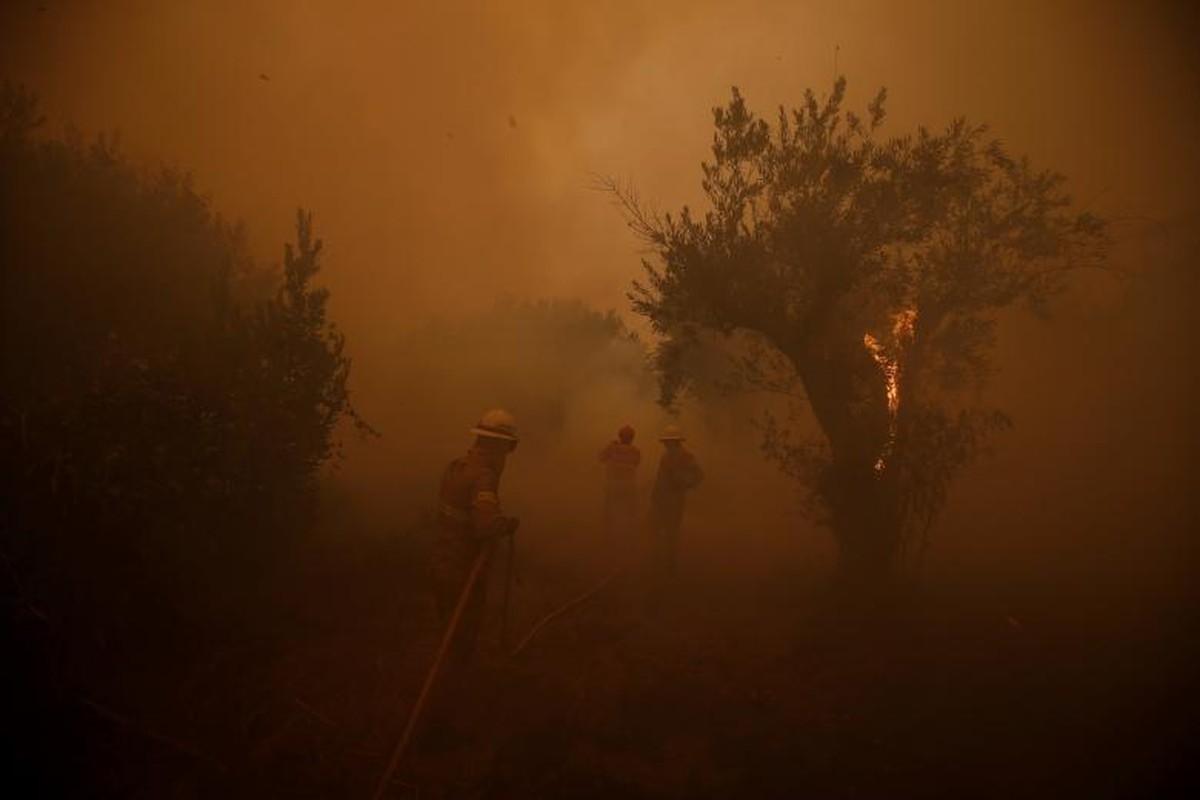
(167,402)
(868,271)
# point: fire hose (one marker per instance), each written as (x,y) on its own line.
(448,638)
(564,608)
(434,670)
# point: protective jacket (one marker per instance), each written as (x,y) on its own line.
(469,500)
(621,462)
(678,472)
(469,507)
(620,487)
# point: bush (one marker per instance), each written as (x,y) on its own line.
(167,403)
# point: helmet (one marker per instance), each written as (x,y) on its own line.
(671,434)
(625,434)
(496,424)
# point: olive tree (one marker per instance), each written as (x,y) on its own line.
(861,276)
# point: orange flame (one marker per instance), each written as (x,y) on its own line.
(888,359)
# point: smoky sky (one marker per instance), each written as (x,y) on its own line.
(448,151)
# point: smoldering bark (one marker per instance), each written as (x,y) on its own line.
(848,394)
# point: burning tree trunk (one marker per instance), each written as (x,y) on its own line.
(853,389)
(832,243)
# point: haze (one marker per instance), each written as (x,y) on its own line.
(449,153)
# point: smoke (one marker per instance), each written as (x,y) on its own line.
(448,153)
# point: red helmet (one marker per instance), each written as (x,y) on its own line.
(625,434)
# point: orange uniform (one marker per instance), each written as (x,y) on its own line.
(469,507)
(620,486)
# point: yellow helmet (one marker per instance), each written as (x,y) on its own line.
(671,434)
(496,424)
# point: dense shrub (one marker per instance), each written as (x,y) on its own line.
(166,402)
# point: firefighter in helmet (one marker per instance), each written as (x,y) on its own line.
(620,459)
(469,521)
(678,473)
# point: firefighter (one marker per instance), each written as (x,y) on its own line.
(469,521)
(620,459)
(678,473)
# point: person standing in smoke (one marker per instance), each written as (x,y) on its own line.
(469,521)
(620,459)
(678,473)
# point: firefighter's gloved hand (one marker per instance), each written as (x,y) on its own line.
(501,527)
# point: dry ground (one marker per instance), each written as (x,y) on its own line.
(747,682)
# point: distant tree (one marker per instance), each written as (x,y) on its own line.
(539,358)
(166,403)
(860,277)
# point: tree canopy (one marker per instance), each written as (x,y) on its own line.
(863,275)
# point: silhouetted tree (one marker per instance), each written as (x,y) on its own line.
(859,276)
(166,403)
(296,370)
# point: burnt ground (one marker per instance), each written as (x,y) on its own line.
(740,685)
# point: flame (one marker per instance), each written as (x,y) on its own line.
(888,359)
(891,370)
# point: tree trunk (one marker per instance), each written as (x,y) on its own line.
(847,393)
(866,523)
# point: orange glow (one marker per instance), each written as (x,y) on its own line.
(888,359)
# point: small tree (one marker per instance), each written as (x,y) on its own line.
(164,401)
(296,371)
(861,277)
